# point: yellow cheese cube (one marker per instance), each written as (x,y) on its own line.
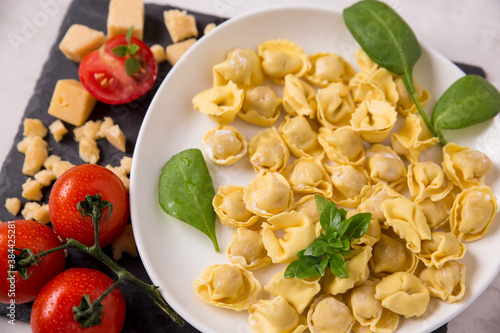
(180,25)
(79,41)
(13,205)
(32,190)
(58,130)
(123,14)
(71,102)
(158,52)
(88,150)
(175,51)
(35,156)
(34,127)
(115,136)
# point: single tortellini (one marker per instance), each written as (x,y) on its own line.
(387,323)
(389,255)
(464,166)
(334,105)
(350,183)
(365,307)
(268,151)
(275,316)
(441,248)
(298,233)
(268,194)
(357,269)
(300,137)
(472,213)
(405,104)
(227,286)
(427,180)
(408,222)
(437,213)
(231,209)
(242,67)
(247,249)
(413,138)
(342,145)
(308,175)
(365,63)
(307,204)
(299,98)
(225,145)
(379,86)
(374,120)
(220,103)
(373,199)
(384,165)
(281,57)
(447,282)
(327,314)
(298,292)
(261,106)
(403,293)
(327,68)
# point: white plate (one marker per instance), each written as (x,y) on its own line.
(174,253)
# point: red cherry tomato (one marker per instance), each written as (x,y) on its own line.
(104,76)
(72,187)
(37,237)
(53,308)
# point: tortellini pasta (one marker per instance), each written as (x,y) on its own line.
(225,145)
(365,63)
(390,255)
(299,98)
(365,307)
(300,137)
(242,67)
(327,68)
(376,86)
(307,205)
(308,175)
(247,249)
(427,180)
(327,314)
(298,233)
(385,165)
(334,105)
(403,293)
(405,104)
(231,209)
(342,145)
(220,103)
(437,213)
(473,212)
(350,183)
(275,316)
(261,106)
(373,199)
(441,248)
(374,120)
(447,282)
(268,151)
(280,57)
(227,286)
(268,194)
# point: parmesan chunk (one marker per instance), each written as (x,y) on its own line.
(209,27)
(61,167)
(29,209)
(126,164)
(125,244)
(22,145)
(32,190)
(90,130)
(115,136)
(120,172)
(106,123)
(158,52)
(122,15)
(175,51)
(58,130)
(88,150)
(79,41)
(50,161)
(34,127)
(35,154)
(71,102)
(13,205)
(45,177)
(180,25)
(41,214)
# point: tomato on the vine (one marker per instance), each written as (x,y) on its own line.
(37,237)
(53,308)
(104,76)
(71,188)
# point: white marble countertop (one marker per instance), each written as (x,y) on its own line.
(465,31)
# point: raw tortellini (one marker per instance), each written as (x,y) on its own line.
(427,180)
(242,67)
(327,314)
(442,247)
(274,316)
(334,105)
(225,145)
(384,165)
(268,151)
(389,255)
(282,57)
(247,249)
(327,68)
(446,282)
(299,98)
(308,175)
(220,103)
(342,145)
(300,137)
(261,106)
(231,209)
(374,120)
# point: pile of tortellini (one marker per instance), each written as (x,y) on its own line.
(337,139)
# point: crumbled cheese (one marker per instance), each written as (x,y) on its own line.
(32,190)
(34,127)
(125,244)
(180,25)
(88,150)
(90,130)
(60,167)
(58,130)
(45,177)
(41,214)
(13,205)
(50,161)
(209,27)
(120,172)
(71,102)
(158,52)
(115,136)
(35,155)
(22,145)
(126,164)
(175,51)
(122,15)
(29,209)
(79,41)
(106,123)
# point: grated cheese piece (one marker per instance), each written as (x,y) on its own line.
(89,130)
(13,205)
(88,150)
(32,190)
(34,127)
(175,51)
(158,52)
(180,25)
(45,177)
(58,130)
(115,136)
(35,155)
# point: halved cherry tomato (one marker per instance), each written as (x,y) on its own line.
(37,237)
(53,307)
(72,187)
(104,76)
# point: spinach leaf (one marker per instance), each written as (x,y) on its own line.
(470,100)
(186,191)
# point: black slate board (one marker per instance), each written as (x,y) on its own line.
(142,313)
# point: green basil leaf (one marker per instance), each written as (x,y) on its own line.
(338,266)
(120,51)
(470,100)
(359,225)
(383,35)
(128,37)
(316,248)
(335,243)
(131,66)
(133,48)
(321,203)
(186,191)
(305,268)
